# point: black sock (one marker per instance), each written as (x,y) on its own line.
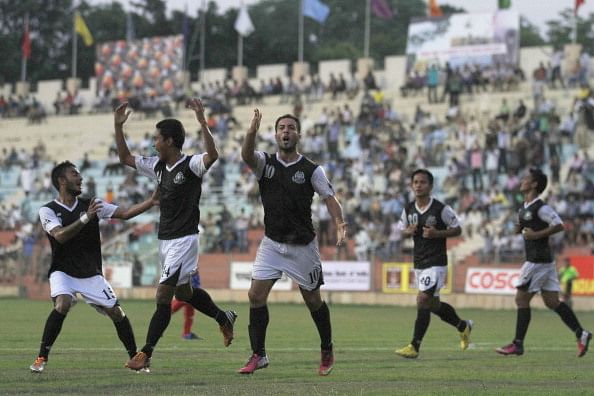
(257,329)
(568,317)
(321,318)
(421,326)
(448,314)
(52,328)
(126,335)
(159,323)
(203,303)
(522,322)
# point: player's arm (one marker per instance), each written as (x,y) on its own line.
(431,232)
(335,211)
(324,189)
(530,234)
(248,147)
(408,230)
(135,210)
(452,222)
(120,116)
(64,234)
(212,154)
(549,216)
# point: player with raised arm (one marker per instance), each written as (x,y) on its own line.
(179,177)
(72,227)
(287,183)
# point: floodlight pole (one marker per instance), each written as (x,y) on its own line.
(300,46)
(74,45)
(367,29)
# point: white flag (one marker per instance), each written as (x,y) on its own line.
(243,24)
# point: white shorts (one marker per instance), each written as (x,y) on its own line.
(536,277)
(179,259)
(299,262)
(432,277)
(95,290)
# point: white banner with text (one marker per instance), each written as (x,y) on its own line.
(491,280)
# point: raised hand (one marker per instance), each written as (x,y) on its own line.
(256,119)
(196,105)
(120,115)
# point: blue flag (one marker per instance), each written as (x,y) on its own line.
(316,10)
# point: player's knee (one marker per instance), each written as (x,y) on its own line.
(63,305)
(552,303)
(522,302)
(116,313)
(256,297)
(424,301)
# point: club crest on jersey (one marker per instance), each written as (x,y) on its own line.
(527,215)
(179,178)
(431,221)
(299,177)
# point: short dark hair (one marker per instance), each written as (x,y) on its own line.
(424,172)
(59,171)
(288,116)
(540,178)
(172,128)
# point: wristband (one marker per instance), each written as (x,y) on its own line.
(84,218)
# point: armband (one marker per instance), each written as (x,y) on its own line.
(85,218)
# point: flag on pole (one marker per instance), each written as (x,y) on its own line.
(81,28)
(316,10)
(381,9)
(578,4)
(26,40)
(243,23)
(504,4)
(434,10)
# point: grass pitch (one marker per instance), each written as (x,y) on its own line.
(88,359)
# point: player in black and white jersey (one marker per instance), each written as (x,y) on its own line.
(72,226)
(179,177)
(287,182)
(537,221)
(430,222)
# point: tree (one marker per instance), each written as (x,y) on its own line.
(529,34)
(560,30)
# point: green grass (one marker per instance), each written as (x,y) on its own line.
(88,358)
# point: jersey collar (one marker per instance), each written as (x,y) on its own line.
(287,164)
(426,207)
(527,204)
(70,209)
(183,157)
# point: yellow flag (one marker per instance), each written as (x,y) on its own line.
(81,28)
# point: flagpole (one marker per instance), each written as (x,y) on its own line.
(574,28)
(203,38)
(367,29)
(300,47)
(239,50)
(74,45)
(185,51)
(23,57)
